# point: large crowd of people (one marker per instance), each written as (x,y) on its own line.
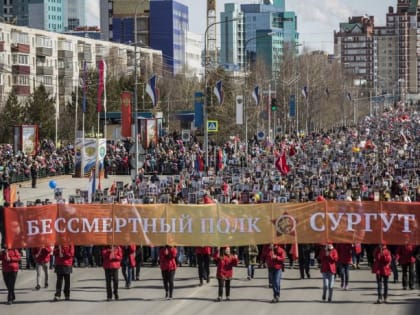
(377,159)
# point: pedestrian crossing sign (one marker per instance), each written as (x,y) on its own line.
(212,126)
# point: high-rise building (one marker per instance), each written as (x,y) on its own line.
(76,14)
(168,31)
(258,31)
(353,44)
(56,16)
(117,21)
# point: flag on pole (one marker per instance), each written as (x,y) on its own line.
(151,90)
(91,187)
(84,87)
(305,92)
(101,84)
(281,164)
(256,94)
(218,91)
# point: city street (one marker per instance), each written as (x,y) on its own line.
(146,296)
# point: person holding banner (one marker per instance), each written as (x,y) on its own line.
(382,269)
(225,262)
(344,261)
(128,263)
(64,255)
(203,263)
(328,257)
(275,258)
(10,261)
(42,256)
(167,260)
(406,258)
(112,256)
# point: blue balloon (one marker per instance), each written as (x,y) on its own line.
(52,184)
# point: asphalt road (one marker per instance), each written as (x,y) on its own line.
(146,296)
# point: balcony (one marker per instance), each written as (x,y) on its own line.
(65,72)
(22,90)
(86,56)
(20,69)
(21,48)
(63,54)
(44,70)
(44,51)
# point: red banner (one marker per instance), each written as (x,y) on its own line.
(213,224)
(126,114)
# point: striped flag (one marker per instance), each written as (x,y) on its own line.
(218,91)
(305,92)
(151,90)
(256,94)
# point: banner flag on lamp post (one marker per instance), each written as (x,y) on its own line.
(101,85)
(151,90)
(218,91)
(256,95)
(305,92)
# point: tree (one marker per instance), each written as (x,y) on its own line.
(11,115)
(40,110)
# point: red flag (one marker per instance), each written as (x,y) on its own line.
(281,164)
(102,69)
(292,150)
(126,114)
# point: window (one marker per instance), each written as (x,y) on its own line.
(21,80)
(20,59)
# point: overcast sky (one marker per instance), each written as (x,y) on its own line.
(317,19)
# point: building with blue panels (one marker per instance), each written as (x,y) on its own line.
(168,30)
(260,31)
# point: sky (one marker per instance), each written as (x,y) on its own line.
(317,19)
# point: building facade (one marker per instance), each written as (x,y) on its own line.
(31,57)
(259,31)
(168,32)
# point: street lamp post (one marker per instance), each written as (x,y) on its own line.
(248,67)
(136,128)
(206,131)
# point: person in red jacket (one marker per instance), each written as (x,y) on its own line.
(167,259)
(382,268)
(225,262)
(344,252)
(274,259)
(128,263)
(111,262)
(10,260)
(406,258)
(64,255)
(42,257)
(328,257)
(203,263)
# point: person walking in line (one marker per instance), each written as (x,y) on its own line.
(304,260)
(382,270)
(111,256)
(275,258)
(10,261)
(225,262)
(64,255)
(167,260)
(406,258)
(203,263)
(128,262)
(139,261)
(42,256)
(328,257)
(344,252)
(250,255)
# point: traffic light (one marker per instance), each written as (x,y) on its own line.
(273,104)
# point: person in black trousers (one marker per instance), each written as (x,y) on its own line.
(10,261)
(34,173)
(112,256)
(304,251)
